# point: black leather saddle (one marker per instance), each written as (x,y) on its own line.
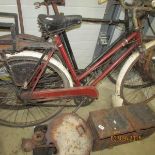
(56,23)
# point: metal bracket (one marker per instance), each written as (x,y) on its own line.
(112,12)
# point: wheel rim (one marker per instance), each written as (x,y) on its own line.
(141,90)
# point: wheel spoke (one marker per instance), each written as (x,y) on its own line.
(18,113)
(142,88)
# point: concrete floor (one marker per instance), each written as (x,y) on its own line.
(10,138)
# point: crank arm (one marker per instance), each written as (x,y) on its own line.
(53,94)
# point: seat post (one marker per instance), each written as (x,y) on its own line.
(64,38)
(55,8)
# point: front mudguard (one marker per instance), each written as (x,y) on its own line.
(117,100)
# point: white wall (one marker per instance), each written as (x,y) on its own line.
(83,40)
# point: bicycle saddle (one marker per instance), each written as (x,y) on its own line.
(56,23)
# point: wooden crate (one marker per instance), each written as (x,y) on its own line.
(121,125)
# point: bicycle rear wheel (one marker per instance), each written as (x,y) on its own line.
(14,112)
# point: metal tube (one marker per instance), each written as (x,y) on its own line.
(96,20)
(55,8)
(115,64)
(12,15)
(113,50)
(138,8)
(20,16)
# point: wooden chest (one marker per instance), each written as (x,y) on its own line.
(121,125)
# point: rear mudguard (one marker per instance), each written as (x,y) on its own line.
(52,61)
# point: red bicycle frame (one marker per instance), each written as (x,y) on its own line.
(79,89)
(135,36)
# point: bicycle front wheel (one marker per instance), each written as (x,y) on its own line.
(141,77)
(13,111)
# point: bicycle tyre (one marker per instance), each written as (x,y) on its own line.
(24,63)
(144,90)
(114,74)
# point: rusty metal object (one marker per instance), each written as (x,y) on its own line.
(145,66)
(121,125)
(136,6)
(58,2)
(143,2)
(20,16)
(97,20)
(55,8)
(38,139)
(10,15)
(149,65)
(24,42)
(67,134)
(148,59)
(70,135)
(48,2)
(21,36)
(148,38)
(27,145)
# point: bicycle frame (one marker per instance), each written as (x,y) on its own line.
(64,47)
(135,36)
(78,89)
